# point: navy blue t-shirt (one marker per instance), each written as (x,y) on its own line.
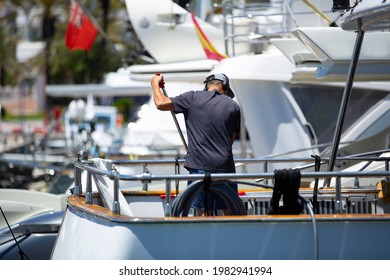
(211,118)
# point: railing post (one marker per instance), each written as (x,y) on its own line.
(145,182)
(338,195)
(177,171)
(116,206)
(225,28)
(265,169)
(356,183)
(168,207)
(88,195)
(78,189)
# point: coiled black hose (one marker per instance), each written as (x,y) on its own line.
(221,189)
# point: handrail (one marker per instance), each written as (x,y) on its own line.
(256,160)
(262,30)
(147,177)
(227,176)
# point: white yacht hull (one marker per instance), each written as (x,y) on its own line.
(85,235)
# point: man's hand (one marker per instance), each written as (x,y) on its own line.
(157,81)
(162,102)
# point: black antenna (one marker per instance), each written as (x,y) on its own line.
(341,5)
(23,256)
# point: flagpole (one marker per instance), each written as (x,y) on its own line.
(94,21)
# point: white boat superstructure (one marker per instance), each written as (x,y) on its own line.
(300,80)
(164,29)
(273,119)
(243,29)
(312,99)
(233,27)
(367,15)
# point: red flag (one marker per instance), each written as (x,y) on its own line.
(209,49)
(81,32)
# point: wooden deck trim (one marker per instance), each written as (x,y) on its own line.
(77,204)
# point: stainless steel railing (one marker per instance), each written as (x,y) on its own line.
(146,177)
(256,22)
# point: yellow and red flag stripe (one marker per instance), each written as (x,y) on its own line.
(208,47)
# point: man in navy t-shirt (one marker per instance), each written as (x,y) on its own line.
(212,120)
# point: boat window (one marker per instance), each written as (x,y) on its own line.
(172,18)
(379,125)
(104,120)
(320,105)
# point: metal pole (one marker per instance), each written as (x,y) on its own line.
(265,169)
(78,185)
(319,12)
(225,31)
(168,207)
(77,188)
(338,195)
(116,206)
(346,95)
(88,194)
(147,173)
(174,118)
(243,140)
(177,126)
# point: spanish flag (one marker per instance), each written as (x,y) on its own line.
(209,49)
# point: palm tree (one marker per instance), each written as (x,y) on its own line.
(9,68)
(48,31)
(62,66)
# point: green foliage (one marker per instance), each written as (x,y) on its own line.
(124,106)
(14,118)
(63,66)
(79,67)
(8,64)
